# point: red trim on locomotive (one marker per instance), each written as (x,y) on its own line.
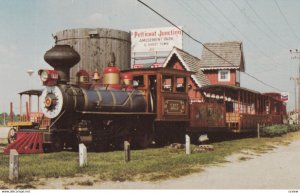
(48,77)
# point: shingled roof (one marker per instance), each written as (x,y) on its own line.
(231,51)
(190,63)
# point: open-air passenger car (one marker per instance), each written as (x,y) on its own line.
(234,109)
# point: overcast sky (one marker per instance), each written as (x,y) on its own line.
(268,30)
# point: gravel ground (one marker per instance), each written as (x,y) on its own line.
(278,169)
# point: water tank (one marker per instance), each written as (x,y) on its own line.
(95,47)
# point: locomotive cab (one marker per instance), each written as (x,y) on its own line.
(166,92)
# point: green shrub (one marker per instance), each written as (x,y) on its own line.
(278,130)
(292,128)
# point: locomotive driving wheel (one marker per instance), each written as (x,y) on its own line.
(143,135)
(57,145)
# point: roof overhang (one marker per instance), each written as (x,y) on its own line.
(174,52)
(217,87)
(220,68)
(36,92)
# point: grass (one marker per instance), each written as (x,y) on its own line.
(146,165)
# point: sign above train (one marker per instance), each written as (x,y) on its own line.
(156,39)
(284,96)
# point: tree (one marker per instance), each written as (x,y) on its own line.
(5,118)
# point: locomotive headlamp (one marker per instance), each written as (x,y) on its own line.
(50,100)
(44,76)
(48,77)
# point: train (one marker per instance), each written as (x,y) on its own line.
(142,106)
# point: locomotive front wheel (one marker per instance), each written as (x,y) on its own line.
(57,145)
(143,138)
(12,135)
(47,147)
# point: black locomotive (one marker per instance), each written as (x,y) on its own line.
(98,116)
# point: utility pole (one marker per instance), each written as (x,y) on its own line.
(296,54)
(295,91)
(4,121)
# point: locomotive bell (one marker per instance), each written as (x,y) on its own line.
(96,76)
(62,58)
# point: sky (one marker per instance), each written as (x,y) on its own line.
(268,29)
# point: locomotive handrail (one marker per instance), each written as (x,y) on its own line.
(112,113)
(127,99)
(41,121)
(56,120)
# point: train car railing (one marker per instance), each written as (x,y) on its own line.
(34,117)
(248,122)
(232,117)
(232,120)
(241,122)
(207,115)
(38,117)
(276,119)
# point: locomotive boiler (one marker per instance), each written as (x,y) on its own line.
(60,96)
(98,115)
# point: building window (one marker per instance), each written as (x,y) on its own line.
(224,75)
(237,77)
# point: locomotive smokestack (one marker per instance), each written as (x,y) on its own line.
(62,58)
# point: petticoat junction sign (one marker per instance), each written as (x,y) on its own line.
(155,39)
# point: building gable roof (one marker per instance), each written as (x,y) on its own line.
(230,51)
(190,63)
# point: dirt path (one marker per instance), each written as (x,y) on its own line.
(279,169)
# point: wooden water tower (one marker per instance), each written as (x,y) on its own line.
(95,47)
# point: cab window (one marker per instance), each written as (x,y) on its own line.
(167,83)
(139,81)
(180,84)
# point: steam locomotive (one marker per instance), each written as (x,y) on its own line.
(142,106)
(104,114)
(98,115)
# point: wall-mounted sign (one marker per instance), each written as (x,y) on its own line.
(156,39)
(174,106)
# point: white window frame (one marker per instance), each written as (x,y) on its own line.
(237,76)
(227,79)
